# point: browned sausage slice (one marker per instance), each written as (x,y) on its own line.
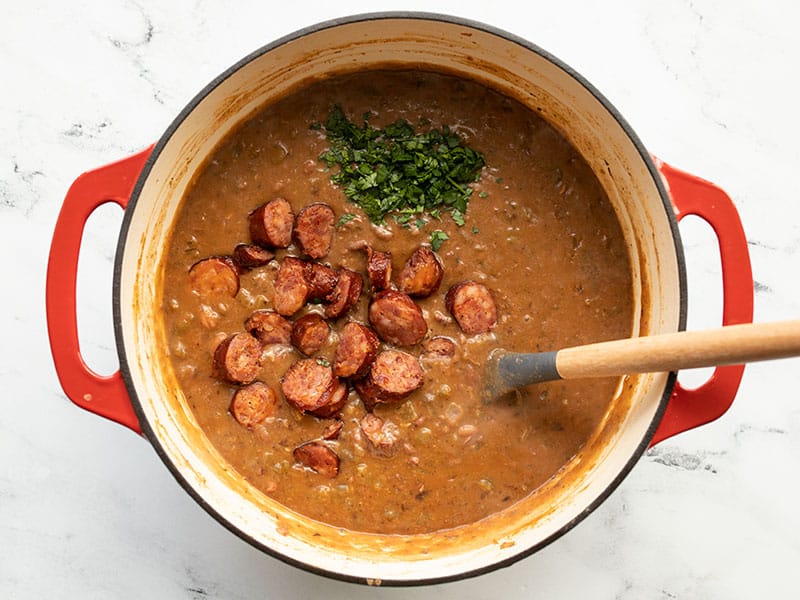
(250,256)
(321,280)
(214,276)
(309,333)
(440,346)
(291,287)
(422,273)
(238,358)
(313,229)
(383,436)
(335,399)
(253,403)
(472,306)
(397,319)
(332,430)
(393,376)
(307,384)
(358,346)
(318,457)
(269,327)
(271,224)
(370,395)
(396,374)
(345,295)
(379,269)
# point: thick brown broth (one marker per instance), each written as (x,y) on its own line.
(540,233)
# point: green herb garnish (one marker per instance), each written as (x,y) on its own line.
(396,170)
(437,239)
(323,362)
(345,219)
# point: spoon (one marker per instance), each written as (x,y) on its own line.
(732,344)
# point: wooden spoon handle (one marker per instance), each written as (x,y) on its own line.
(733,344)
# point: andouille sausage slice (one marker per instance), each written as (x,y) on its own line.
(379,269)
(439,347)
(250,256)
(215,276)
(291,287)
(422,274)
(369,394)
(253,403)
(396,374)
(358,347)
(397,319)
(345,295)
(318,457)
(307,384)
(237,358)
(393,376)
(313,229)
(332,430)
(472,306)
(309,333)
(335,399)
(271,224)
(321,280)
(269,327)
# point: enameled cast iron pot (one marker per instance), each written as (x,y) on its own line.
(648,195)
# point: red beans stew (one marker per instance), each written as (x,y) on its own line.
(335,362)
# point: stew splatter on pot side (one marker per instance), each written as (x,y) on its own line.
(539,234)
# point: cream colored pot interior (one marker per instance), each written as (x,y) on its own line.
(473,52)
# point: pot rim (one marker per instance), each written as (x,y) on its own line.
(150,433)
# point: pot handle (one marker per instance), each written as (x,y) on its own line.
(100,394)
(690,408)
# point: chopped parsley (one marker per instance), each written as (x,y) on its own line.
(345,219)
(437,239)
(399,171)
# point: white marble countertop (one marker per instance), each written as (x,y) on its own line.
(87,510)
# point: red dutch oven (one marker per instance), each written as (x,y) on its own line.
(650,197)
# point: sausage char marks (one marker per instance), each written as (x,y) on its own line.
(321,280)
(379,269)
(214,276)
(291,286)
(251,256)
(253,403)
(269,327)
(313,229)
(271,224)
(311,387)
(357,349)
(392,377)
(439,347)
(238,358)
(317,456)
(310,333)
(332,430)
(422,274)
(335,397)
(397,319)
(345,294)
(472,306)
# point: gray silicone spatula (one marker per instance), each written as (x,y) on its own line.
(733,344)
